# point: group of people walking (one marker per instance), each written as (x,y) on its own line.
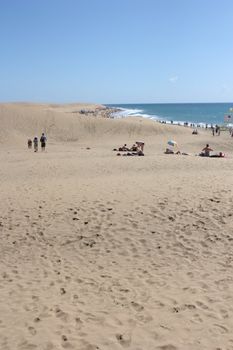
(35,143)
(215,130)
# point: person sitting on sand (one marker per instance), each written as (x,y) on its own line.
(124,148)
(206,151)
(169,151)
(140,145)
(134,148)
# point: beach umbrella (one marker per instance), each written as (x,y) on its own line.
(172,143)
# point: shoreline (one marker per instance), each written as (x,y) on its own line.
(124,113)
(141,110)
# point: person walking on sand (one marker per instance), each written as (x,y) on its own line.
(29,143)
(212,128)
(35,143)
(43,141)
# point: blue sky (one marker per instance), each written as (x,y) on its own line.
(116,51)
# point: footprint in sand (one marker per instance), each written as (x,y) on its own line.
(49,346)
(197,318)
(220,329)
(224,313)
(65,343)
(144,317)
(202,305)
(27,346)
(62,291)
(137,306)
(61,314)
(166,347)
(124,339)
(78,322)
(32,330)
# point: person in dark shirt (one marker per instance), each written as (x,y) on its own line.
(43,141)
(29,143)
(35,143)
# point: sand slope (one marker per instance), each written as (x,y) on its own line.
(106,252)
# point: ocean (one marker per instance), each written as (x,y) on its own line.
(179,113)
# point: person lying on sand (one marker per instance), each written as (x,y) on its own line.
(138,153)
(206,151)
(123,148)
(218,155)
(138,146)
(169,151)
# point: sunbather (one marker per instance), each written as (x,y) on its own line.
(140,145)
(138,153)
(218,155)
(124,148)
(206,151)
(134,148)
(169,151)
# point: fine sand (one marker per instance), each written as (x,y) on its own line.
(100,252)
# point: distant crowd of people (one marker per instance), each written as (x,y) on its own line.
(215,129)
(35,143)
(138,147)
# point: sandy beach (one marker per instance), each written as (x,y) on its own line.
(100,252)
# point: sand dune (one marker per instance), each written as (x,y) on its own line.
(105,252)
(66,123)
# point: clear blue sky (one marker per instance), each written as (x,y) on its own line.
(116,51)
